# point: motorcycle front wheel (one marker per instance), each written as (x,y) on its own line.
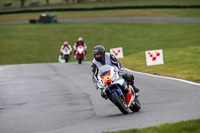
(67,58)
(79,61)
(120,103)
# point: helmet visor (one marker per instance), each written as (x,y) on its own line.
(98,57)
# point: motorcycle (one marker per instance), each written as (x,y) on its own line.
(66,53)
(113,85)
(80,54)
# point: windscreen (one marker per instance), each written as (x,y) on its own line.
(103,70)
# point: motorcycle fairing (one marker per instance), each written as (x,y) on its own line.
(129,96)
(66,51)
(107,79)
(80,52)
(113,86)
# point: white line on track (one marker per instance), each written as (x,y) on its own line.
(158,76)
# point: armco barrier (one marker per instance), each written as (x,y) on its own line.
(101,8)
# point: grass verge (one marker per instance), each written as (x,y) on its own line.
(139,13)
(191,126)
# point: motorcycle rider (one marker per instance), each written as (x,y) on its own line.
(78,43)
(66,44)
(103,58)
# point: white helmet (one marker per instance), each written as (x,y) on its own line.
(65,43)
(80,39)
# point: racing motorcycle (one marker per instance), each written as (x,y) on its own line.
(80,54)
(66,54)
(113,85)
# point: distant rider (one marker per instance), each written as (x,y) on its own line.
(64,46)
(103,58)
(61,57)
(78,43)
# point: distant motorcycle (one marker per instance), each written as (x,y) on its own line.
(112,85)
(80,54)
(66,54)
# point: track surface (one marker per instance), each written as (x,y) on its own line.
(61,98)
(179,20)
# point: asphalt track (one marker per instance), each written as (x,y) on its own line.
(177,20)
(61,98)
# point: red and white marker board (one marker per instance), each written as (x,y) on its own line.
(154,57)
(118,52)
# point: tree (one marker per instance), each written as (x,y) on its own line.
(66,1)
(22,2)
(81,1)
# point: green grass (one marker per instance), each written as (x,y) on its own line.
(142,13)
(40,43)
(191,126)
(181,51)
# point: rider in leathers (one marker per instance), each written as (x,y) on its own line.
(66,44)
(103,58)
(78,43)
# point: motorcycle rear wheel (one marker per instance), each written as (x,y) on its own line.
(136,107)
(118,102)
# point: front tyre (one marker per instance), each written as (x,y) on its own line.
(67,58)
(79,61)
(119,103)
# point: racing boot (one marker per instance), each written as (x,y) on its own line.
(130,81)
(136,90)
